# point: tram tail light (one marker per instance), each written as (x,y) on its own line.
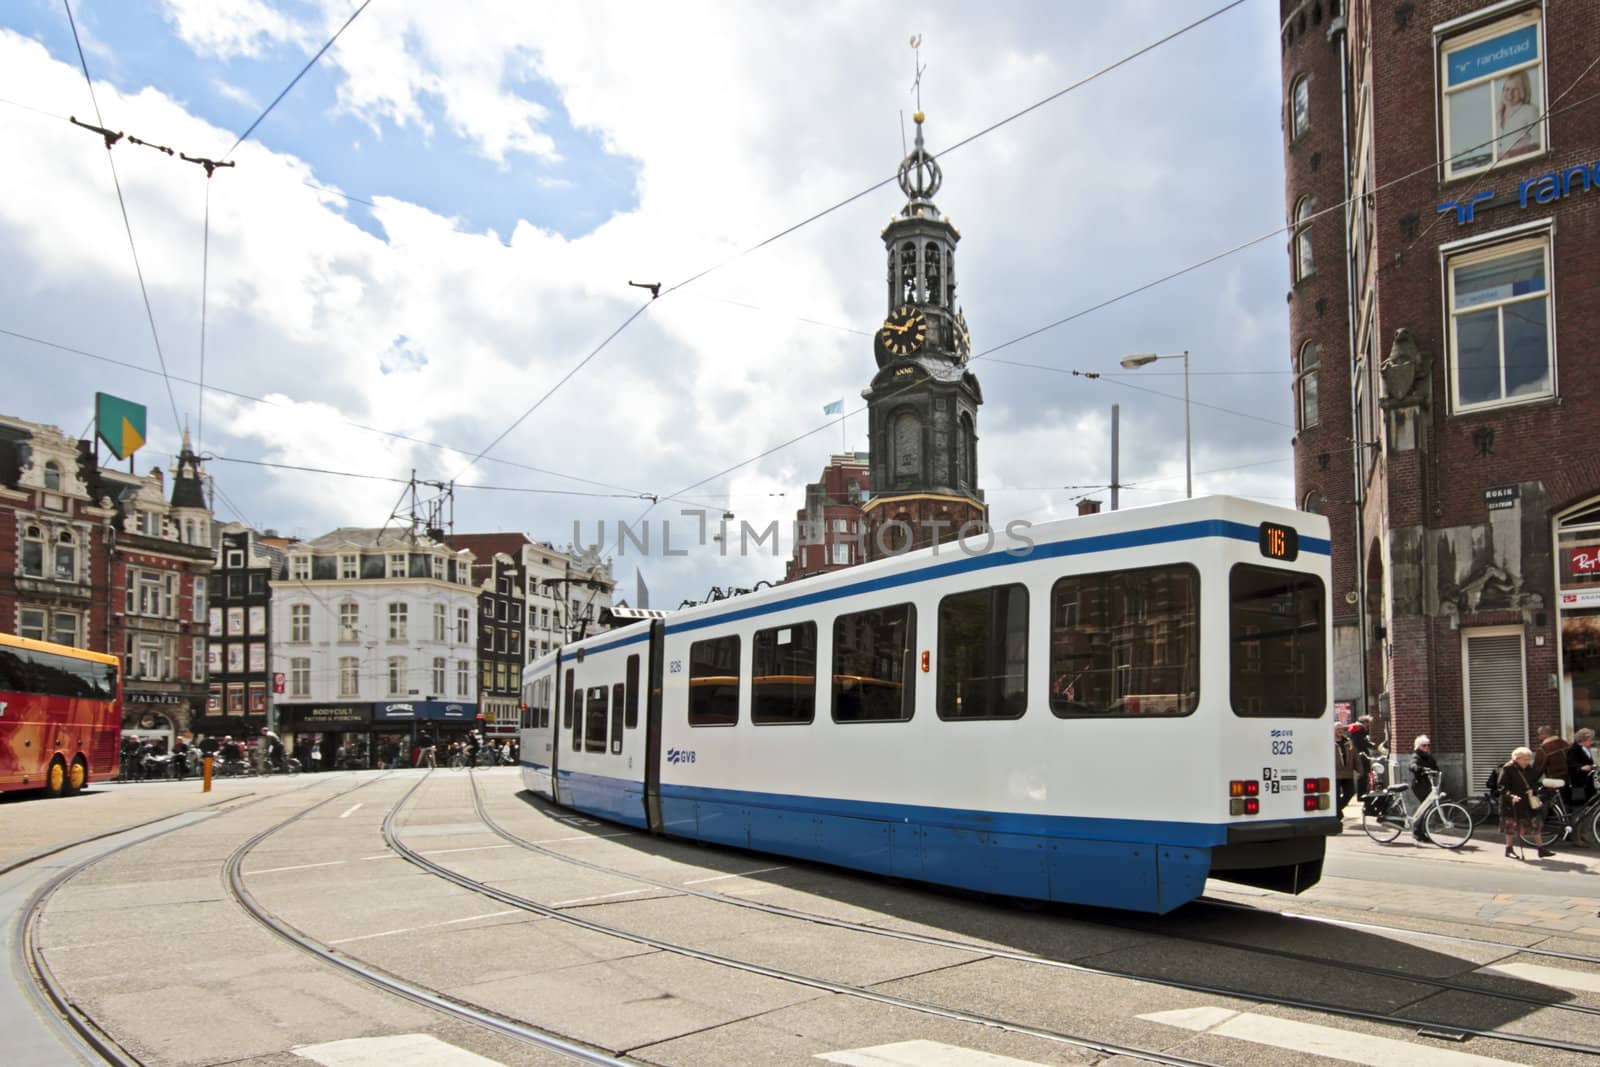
(1243,797)
(1252,806)
(1249,788)
(1316,785)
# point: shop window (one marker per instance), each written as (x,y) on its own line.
(1493,94)
(1500,325)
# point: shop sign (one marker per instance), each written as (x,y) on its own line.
(327,715)
(277,682)
(414,710)
(134,696)
(1587,598)
(1584,560)
(1500,497)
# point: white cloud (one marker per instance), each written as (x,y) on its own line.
(230,28)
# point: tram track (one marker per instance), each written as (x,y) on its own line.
(1436,985)
(390,983)
(1091,1044)
(50,994)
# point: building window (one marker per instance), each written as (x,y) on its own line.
(32,552)
(397,565)
(438,677)
(144,593)
(349,621)
(300,568)
(500,677)
(463,678)
(1306,384)
(235,559)
(1500,338)
(197,660)
(397,676)
(438,623)
(438,567)
(485,674)
(66,557)
(200,594)
(1299,108)
(1304,267)
(349,568)
(463,625)
(300,676)
(299,622)
(1493,95)
(397,622)
(841,554)
(1313,503)
(52,476)
(349,676)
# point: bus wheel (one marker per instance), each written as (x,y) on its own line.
(78,776)
(56,778)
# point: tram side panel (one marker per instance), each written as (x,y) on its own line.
(537,736)
(600,743)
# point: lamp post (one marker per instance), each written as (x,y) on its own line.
(1136,361)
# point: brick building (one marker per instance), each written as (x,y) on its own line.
(1442,198)
(831,528)
(239,628)
(500,573)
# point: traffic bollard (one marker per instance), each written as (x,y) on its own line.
(205,774)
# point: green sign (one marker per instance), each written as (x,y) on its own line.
(119,423)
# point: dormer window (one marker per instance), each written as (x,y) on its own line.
(349,568)
(52,476)
(397,565)
(438,567)
(300,568)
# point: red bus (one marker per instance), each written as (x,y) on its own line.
(60,716)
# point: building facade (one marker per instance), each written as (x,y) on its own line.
(375,632)
(500,573)
(831,528)
(1441,194)
(239,633)
(922,405)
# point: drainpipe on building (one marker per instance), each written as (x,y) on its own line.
(1337,38)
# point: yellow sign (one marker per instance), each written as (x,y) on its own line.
(488,716)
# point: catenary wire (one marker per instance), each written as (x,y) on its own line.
(126,224)
(212,458)
(296,79)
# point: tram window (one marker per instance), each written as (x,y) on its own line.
(596,709)
(872,665)
(1126,642)
(1277,643)
(783,674)
(714,682)
(577,721)
(618,697)
(566,705)
(633,693)
(983,653)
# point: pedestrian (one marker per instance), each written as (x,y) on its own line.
(180,758)
(1580,765)
(1344,766)
(1518,797)
(1550,759)
(1361,757)
(316,754)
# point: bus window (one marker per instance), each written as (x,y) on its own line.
(872,668)
(1125,642)
(983,653)
(714,682)
(783,674)
(1277,643)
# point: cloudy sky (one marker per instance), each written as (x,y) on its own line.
(440,220)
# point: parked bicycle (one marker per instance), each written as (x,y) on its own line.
(1557,823)
(1442,821)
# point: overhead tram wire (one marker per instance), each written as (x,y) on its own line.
(1339,205)
(788,230)
(363,476)
(126,224)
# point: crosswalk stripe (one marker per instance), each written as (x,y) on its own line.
(398,1050)
(1316,1040)
(921,1054)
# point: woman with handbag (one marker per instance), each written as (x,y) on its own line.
(1519,799)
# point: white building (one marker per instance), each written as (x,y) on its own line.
(375,631)
(567,589)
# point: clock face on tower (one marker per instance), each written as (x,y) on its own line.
(904,331)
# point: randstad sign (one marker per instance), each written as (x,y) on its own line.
(1538,190)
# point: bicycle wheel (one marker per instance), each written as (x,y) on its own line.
(1381,828)
(1538,826)
(1449,825)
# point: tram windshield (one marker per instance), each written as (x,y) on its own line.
(1277,643)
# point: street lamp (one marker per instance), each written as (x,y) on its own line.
(1134,362)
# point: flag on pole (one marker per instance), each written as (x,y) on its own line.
(835,408)
(119,423)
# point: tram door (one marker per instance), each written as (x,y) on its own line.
(652,747)
(563,713)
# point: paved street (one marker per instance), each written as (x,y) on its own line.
(151,945)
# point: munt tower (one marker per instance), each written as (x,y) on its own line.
(922,405)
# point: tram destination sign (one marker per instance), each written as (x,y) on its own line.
(1280,542)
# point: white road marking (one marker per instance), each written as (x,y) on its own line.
(297,867)
(1556,977)
(383,856)
(351,812)
(607,896)
(745,874)
(426,926)
(921,1054)
(398,1050)
(1317,1040)
(474,848)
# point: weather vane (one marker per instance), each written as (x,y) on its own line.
(916,63)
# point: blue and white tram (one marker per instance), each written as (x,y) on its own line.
(1105,710)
